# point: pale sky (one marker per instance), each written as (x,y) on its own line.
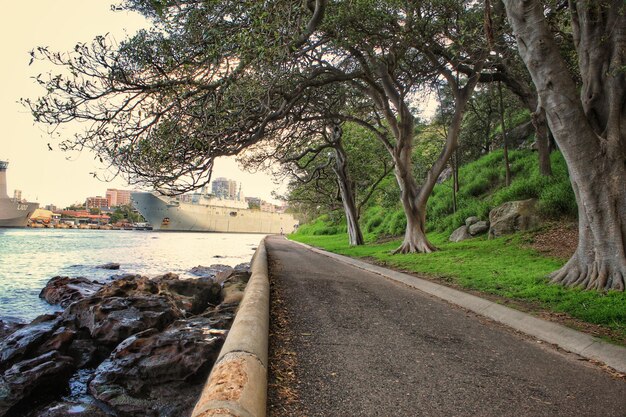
(44,176)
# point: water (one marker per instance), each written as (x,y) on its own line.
(30,257)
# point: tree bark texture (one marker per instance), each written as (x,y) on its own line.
(588,128)
(346,188)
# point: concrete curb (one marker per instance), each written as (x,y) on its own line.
(237,385)
(571,340)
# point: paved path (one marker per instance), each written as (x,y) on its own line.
(368,346)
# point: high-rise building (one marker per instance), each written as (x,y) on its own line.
(117,197)
(96,202)
(224,188)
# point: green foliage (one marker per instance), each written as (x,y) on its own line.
(482,189)
(504,267)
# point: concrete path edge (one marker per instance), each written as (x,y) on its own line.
(237,385)
(568,339)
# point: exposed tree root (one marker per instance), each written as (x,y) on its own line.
(421,246)
(602,276)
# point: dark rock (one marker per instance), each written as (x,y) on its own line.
(111,320)
(513,216)
(471,220)
(460,234)
(478,228)
(110,265)
(65,290)
(190,295)
(160,374)
(8,327)
(27,340)
(40,377)
(208,271)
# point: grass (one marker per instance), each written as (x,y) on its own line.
(504,267)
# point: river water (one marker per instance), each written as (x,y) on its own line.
(30,257)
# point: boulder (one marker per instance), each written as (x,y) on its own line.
(209,271)
(513,216)
(8,327)
(460,234)
(112,319)
(110,265)
(26,340)
(471,220)
(478,228)
(65,290)
(192,296)
(42,376)
(159,374)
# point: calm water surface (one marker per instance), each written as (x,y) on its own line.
(30,257)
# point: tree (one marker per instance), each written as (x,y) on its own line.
(588,126)
(314,155)
(162,105)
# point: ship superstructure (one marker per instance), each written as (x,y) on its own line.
(14,212)
(208,213)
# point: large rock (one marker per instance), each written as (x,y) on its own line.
(110,265)
(460,234)
(111,320)
(192,296)
(159,374)
(478,228)
(471,220)
(65,290)
(25,341)
(513,216)
(8,327)
(209,271)
(42,376)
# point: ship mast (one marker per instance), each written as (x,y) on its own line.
(3,179)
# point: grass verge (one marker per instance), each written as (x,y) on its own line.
(506,270)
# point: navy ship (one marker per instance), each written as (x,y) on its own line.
(207,213)
(13,212)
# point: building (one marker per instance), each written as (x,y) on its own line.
(253,202)
(52,207)
(96,202)
(117,197)
(224,188)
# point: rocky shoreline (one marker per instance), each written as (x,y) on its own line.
(132,346)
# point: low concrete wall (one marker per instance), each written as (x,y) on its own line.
(237,385)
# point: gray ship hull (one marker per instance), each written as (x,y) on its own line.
(15,213)
(179,216)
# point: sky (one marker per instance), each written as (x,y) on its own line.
(55,177)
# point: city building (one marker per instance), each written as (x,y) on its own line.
(224,188)
(96,202)
(253,202)
(117,197)
(52,207)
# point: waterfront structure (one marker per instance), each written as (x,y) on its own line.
(96,202)
(13,212)
(209,213)
(117,197)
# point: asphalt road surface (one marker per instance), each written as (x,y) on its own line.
(368,346)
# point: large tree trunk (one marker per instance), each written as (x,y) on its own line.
(346,188)
(415,239)
(588,129)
